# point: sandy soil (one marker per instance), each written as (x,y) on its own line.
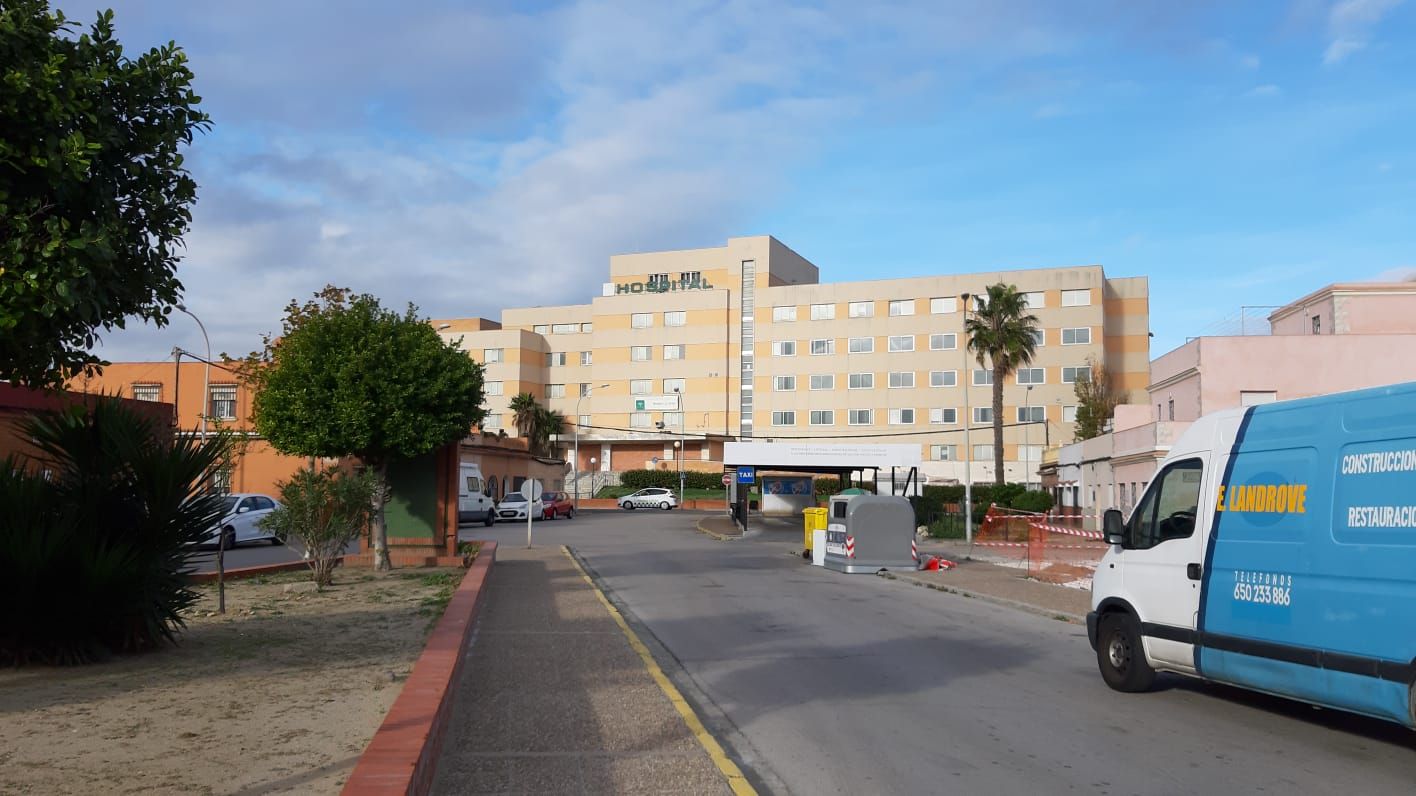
(280,695)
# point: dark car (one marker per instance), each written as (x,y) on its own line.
(556,504)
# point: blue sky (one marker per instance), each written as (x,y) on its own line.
(471,156)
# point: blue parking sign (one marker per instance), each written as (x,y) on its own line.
(746,475)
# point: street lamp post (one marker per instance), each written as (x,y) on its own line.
(968,420)
(682,443)
(576,469)
(206,397)
(1027,436)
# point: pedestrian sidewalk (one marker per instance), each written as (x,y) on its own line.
(1008,585)
(554,698)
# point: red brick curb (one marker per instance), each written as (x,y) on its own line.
(401,756)
(249,572)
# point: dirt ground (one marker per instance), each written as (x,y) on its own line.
(280,695)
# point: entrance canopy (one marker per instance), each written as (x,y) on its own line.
(902,461)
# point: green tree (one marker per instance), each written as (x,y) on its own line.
(349,378)
(525,412)
(549,423)
(1001,331)
(94,194)
(1097,399)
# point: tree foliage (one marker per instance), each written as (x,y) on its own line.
(1001,331)
(1097,399)
(536,423)
(94,194)
(347,377)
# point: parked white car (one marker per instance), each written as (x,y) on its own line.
(651,498)
(241,520)
(513,507)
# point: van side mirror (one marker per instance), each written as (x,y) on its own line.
(1114,527)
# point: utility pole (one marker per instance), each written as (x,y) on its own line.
(968,421)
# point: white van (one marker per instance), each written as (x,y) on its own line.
(473,502)
(1274,550)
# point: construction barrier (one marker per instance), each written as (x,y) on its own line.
(1049,548)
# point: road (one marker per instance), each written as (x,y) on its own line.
(830,683)
(250,554)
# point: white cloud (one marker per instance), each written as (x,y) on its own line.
(1351,24)
(474,160)
(1266,90)
(1401,273)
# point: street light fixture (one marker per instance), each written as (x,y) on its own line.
(206,399)
(576,469)
(682,444)
(1027,436)
(968,421)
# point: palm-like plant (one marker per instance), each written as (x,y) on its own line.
(525,414)
(96,549)
(1001,331)
(549,423)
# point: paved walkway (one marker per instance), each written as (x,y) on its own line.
(1006,584)
(554,699)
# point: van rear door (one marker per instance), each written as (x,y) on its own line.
(1164,553)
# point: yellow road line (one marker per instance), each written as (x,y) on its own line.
(736,781)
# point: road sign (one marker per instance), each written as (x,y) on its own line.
(656,403)
(532,489)
(746,475)
(727,479)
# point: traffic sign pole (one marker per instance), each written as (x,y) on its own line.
(531,490)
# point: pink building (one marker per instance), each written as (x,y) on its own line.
(1342,337)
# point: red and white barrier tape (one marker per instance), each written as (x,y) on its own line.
(1042,526)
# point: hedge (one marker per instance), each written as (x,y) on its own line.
(932,499)
(669,479)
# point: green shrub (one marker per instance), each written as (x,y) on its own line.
(669,479)
(94,554)
(323,512)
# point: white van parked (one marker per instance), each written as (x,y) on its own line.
(1274,550)
(473,503)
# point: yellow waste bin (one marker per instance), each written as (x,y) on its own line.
(813,520)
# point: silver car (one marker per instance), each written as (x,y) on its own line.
(241,520)
(652,498)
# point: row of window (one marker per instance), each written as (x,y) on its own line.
(221,400)
(684,276)
(905,379)
(905,343)
(895,380)
(788,348)
(938,416)
(563,328)
(942,305)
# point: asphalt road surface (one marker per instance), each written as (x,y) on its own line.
(830,683)
(249,554)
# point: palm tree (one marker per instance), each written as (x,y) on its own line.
(1001,331)
(549,423)
(525,415)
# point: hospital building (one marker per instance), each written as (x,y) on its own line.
(683,350)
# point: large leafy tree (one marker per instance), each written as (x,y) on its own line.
(94,194)
(349,378)
(1097,399)
(1001,331)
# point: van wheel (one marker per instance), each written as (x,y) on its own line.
(1120,656)
(491,518)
